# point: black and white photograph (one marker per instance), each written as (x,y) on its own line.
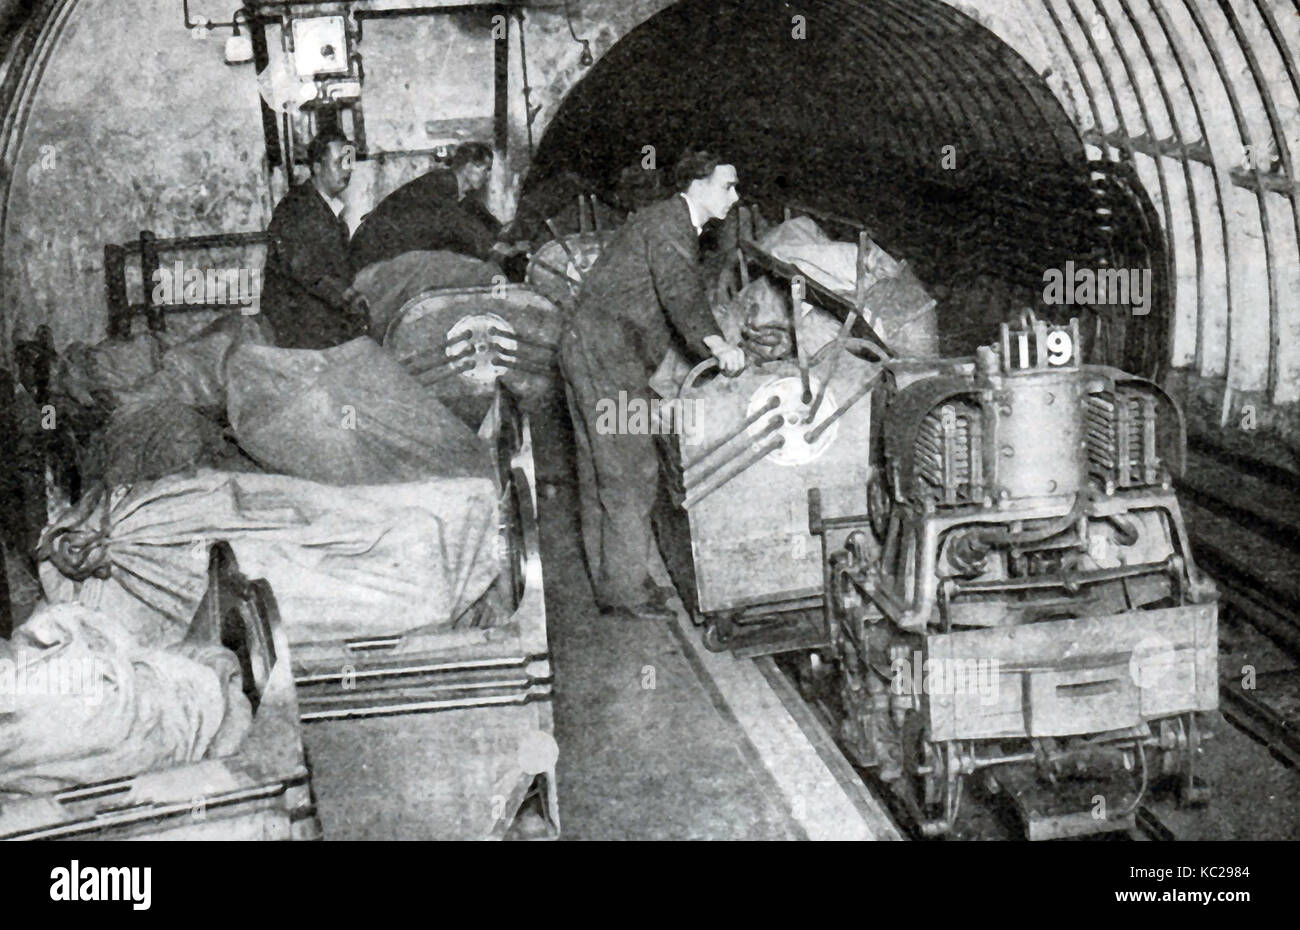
(652,420)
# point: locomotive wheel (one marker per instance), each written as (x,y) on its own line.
(1192,791)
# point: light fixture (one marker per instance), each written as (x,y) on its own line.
(239,47)
(586,59)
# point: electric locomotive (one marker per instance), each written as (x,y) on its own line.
(1020,603)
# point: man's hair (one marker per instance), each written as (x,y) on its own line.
(319,146)
(471,153)
(693,165)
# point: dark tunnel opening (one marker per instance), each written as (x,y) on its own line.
(904,115)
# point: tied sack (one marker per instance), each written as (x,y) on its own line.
(342,561)
(348,415)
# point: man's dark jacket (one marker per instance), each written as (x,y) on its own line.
(425,215)
(645,292)
(307,271)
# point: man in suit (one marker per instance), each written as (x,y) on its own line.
(645,293)
(307,293)
(441,210)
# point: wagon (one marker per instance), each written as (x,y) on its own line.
(260,792)
(461,718)
(744,453)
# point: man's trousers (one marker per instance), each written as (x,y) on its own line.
(618,482)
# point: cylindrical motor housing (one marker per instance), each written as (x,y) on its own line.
(1039,444)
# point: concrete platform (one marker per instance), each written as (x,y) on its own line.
(658,738)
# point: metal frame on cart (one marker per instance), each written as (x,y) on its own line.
(446,672)
(261,792)
(765,627)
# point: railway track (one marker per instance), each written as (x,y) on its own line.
(1150,827)
(1244,519)
(1262,722)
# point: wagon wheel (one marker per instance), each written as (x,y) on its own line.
(1192,790)
(513,540)
(879,504)
(718,631)
(513,486)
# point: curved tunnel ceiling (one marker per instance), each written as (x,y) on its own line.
(1188,109)
(858,121)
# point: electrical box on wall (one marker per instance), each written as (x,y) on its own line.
(320,46)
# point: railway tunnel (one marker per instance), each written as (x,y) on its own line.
(986,143)
(912,118)
(1006,139)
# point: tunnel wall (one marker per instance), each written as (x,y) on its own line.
(1203,101)
(118,120)
(133,125)
(1171,86)
(911,118)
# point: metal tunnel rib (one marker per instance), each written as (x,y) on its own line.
(45,25)
(869,102)
(1000,57)
(1243,131)
(1166,203)
(1070,50)
(911,78)
(1045,124)
(1197,245)
(1221,184)
(883,87)
(973,89)
(969,127)
(897,71)
(962,128)
(1099,130)
(955,123)
(1034,123)
(1126,143)
(1284,150)
(1284,50)
(1189,182)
